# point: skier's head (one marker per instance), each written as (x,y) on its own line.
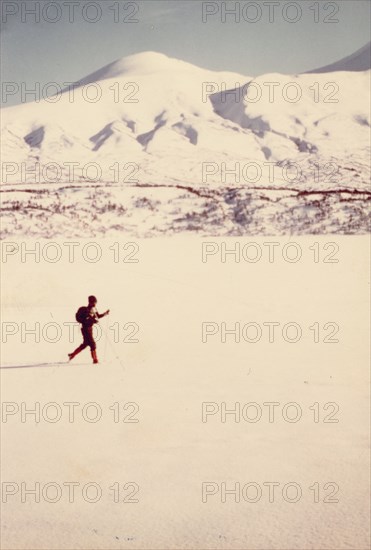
(92,300)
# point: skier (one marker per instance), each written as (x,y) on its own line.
(88,316)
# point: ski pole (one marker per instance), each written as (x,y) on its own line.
(112,347)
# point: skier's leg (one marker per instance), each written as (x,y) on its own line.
(81,347)
(77,350)
(93,346)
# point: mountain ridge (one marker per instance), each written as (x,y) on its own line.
(360,60)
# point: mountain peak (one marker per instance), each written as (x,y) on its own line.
(139,63)
(357,61)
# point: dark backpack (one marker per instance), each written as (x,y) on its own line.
(81,314)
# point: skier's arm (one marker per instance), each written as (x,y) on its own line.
(100,315)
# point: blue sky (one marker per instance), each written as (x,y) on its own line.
(65,51)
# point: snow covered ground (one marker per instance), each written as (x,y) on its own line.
(170,454)
(151,145)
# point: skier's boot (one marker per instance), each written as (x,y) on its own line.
(74,353)
(94,356)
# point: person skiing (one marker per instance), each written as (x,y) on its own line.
(88,316)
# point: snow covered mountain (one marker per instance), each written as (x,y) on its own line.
(358,61)
(151,122)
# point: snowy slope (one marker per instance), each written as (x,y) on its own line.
(160,121)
